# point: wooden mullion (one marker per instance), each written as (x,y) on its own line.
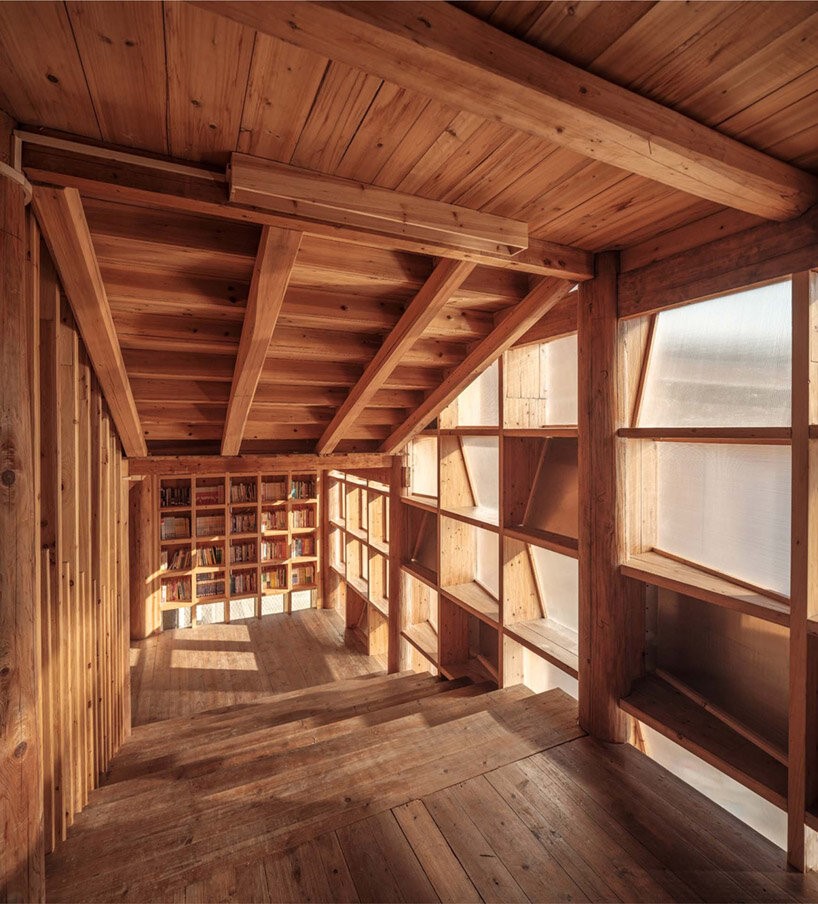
(643,370)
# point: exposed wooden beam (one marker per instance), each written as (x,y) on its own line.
(513,324)
(167,465)
(443,52)
(284,189)
(445,279)
(768,251)
(561,320)
(271,274)
(108,175)
(62,220)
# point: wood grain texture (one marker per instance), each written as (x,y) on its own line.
(271,274)
(66,232)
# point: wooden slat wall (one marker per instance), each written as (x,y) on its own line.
(84,600)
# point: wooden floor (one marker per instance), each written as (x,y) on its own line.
(193,669)
(403,788)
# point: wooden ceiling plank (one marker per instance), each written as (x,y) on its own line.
(276,255)
(256,182)
(513,325)
(145,182)
(62,220)
(122,46)
(446,278)
(436,48)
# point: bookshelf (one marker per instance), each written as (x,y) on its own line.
(359,549)
(229,542)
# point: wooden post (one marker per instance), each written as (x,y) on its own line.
(21,778)
(395,556)
(802,852)
(611,632)
(143,603)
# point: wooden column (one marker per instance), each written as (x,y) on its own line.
(395,556)
(145,616)
(611,632)
(802,793)
(21,781)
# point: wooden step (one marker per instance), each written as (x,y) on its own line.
(216,750)
(282,800)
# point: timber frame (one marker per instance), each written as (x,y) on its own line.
(208,284)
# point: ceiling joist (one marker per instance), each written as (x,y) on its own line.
(512,326)
(62,220)
(271,273)
(446,279)
(287,189)
(445,53)
(110,175)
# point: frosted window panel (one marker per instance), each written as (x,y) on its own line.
(300,599)
(561,380)
(558,576)
(540,675)
(242,609)
(273,604)
(722,363)
(423,464)
(478,404)
(482,454)
(727,507)
(487,570)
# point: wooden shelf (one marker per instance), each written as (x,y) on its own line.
(476,600)
(427,503)
(416,570)
(660,571)
(301,530)
(381,604)
(358,534)
(567,546)
(553,642)
(180,541)
(552,430)
(478,516)
(761,435)
(211,599)
(359,585)
(676,716)
(379,546)
(423,638)
(338,522)
(476,669)
(175,604)
(174,509)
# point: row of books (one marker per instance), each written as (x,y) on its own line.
(243,523)
(174,496)
(303,574)
(274,490)
(274,578)
(175,527)
(303,489)
(243,582)
(275,520)
(304,517)
(274,549)
(243,552)
(206,585)
(303,546)
(210,495)
(209,525)
(209,555)
(176,591)
(243,492)
(175,560)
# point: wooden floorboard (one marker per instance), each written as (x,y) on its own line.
(386,788)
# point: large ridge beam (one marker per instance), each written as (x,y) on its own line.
(443,52)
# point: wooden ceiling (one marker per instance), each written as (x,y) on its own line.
(179,81)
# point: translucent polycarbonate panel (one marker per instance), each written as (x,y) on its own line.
(272,605)
(767,819)
(487,568)
(240,609)
(482,454)
(209,613)
(540,675)
(722,363)
(175,618)
(300,599)
(558,578)
(727,507)
(478,405)
(561,380)
(423,465)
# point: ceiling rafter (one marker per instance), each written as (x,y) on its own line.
(513,324)
(445,280)
(443,52)
(276,255)
(62,220)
